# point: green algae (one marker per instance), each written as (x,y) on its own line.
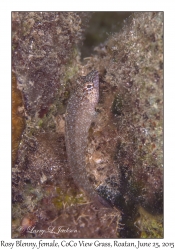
(151,227)
(69,198)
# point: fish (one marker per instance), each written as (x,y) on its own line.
(79,116)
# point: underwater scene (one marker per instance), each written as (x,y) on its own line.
(87,125)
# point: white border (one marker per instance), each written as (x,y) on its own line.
(5,94)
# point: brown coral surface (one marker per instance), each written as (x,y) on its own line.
(18,121)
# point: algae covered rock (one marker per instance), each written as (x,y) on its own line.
(43,43)
(129,127)
(133,66)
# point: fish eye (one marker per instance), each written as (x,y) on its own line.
(89,86)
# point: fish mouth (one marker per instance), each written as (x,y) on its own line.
(95,77)
(92,77)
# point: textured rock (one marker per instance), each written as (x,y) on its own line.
(43,43)
(130,64)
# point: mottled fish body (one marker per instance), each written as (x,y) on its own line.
(79,116)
